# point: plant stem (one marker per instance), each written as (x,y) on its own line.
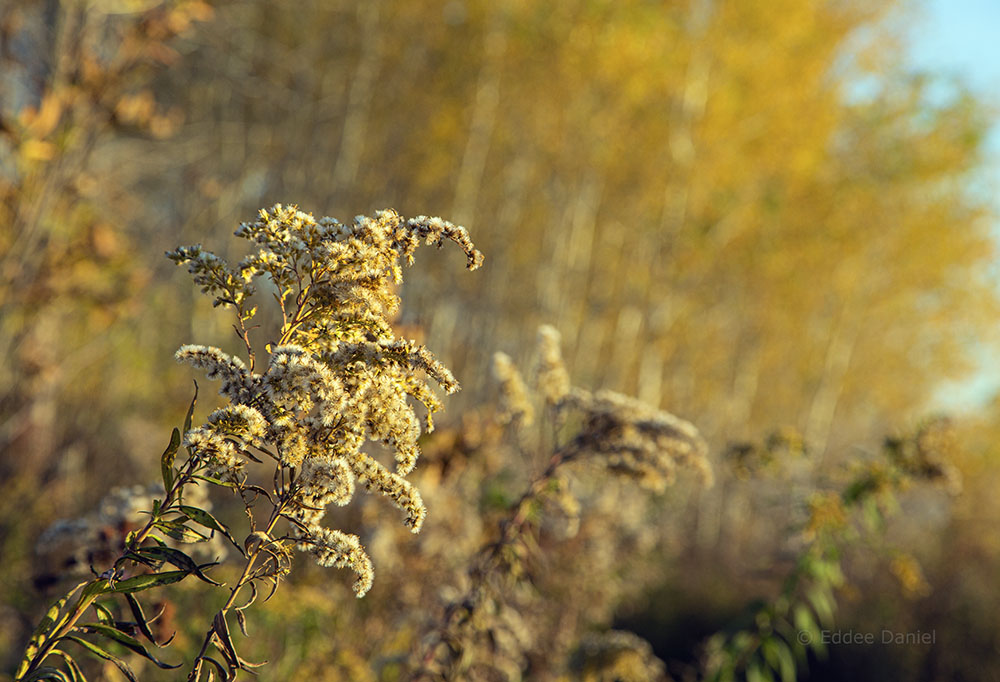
(246,577)
(487,562)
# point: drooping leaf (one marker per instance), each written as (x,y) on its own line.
(758,673)
(75,672)
(47,672)
(177,558)
(127,641)
(95,587)
(179,531)
(167,459)
(202,517)
(224,673)
(148,580)
(227,647)
(779,658)
(103,613)
(260,491)
(216,481)
(242,620)
(140,617)
(101,653)
(821,602)
(251,600)
(786,664)
(52,620)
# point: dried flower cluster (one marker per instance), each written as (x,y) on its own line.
(515,402)
(638,440)
(552,376)
(629,436)
(483,631)
(336,377)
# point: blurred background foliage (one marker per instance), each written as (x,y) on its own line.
(748,213)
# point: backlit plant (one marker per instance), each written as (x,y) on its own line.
(335,378)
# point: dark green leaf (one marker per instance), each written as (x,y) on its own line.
(181,532)
(144,582)
(47,673)
(103,613)
(167,460)
(251,600)
(228,649)
(202,517)
(223,673)
(260,491)
(190,412)
(95,587)
(47,625)
(75,673)
(249,455)
(98,651)
(125,640)
(216,481)
(140,559)
(140,617)
(177,558)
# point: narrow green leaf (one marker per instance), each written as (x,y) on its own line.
(809,631)
(216,481)
(249,455)
(821,602)
(95,587)
(786,664)
(53,619)
(75,672)
(140,617)
(190,412)
(125,640)
(103,613)
(756,673)
(140,559)
(251,600)
(228,648)
(47,672)
(779,658)
(181,532)
(167,460)
(50,619)
(260,491)
(223,673)
(146,581)
(101,653)
(177,558)
(202,517)
(242,620)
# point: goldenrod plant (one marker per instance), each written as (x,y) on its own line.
(476,635)
(335,378)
